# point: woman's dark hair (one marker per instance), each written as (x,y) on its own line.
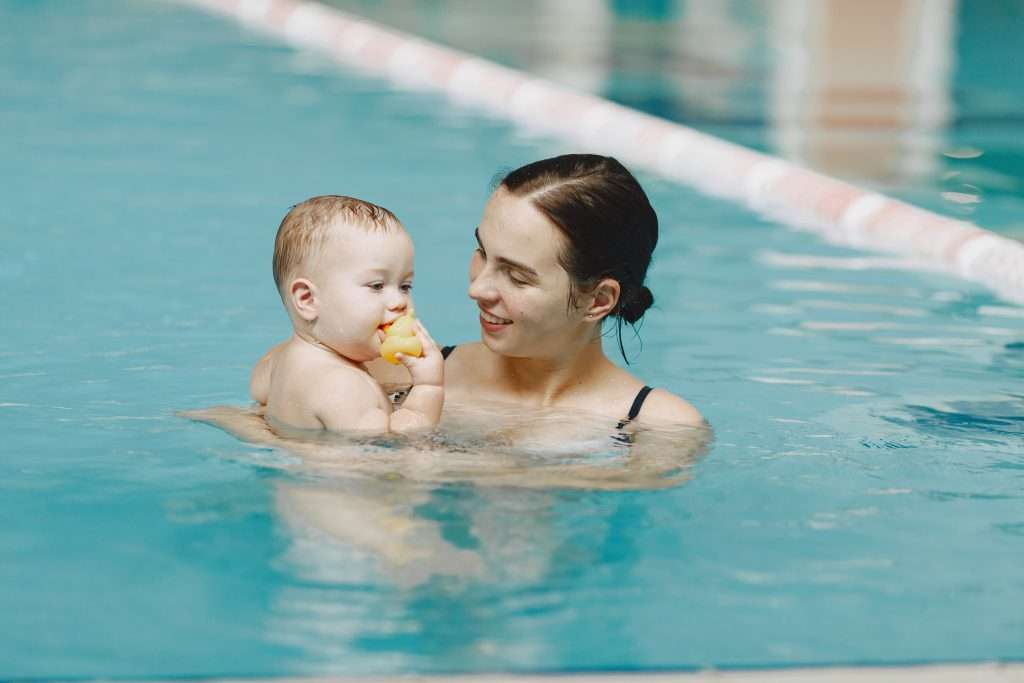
(609,225)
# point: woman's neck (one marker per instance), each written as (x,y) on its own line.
(544,382)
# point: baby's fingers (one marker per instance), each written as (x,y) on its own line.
(424,336)
(408,361)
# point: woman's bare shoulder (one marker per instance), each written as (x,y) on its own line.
(664,407)
(466,360)
(466,350)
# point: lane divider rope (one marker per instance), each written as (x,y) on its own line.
(840,212)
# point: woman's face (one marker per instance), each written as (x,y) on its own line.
(515,278)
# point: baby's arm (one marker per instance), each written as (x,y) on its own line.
(422,407)
(346,399)
(349,405)
(259,381)
(420,410)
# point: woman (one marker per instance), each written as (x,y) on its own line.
(564,245)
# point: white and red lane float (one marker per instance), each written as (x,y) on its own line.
(840,212)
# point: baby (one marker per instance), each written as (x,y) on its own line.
(343,268)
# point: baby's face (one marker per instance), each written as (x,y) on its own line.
(364,280)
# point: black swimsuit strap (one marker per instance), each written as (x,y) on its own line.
(634,409)
(446,351)
(638,402)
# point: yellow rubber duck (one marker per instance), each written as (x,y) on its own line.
(401,338)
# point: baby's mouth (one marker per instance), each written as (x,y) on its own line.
(493,319)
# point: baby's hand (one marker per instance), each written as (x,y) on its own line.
(428,369)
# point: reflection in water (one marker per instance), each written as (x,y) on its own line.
(447,578)
(437,550)
(1011,361)
(910,96)
(982,421)
(857,78)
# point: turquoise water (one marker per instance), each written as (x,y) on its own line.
(862,502)
(742,69)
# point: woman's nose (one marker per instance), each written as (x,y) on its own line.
(481,287)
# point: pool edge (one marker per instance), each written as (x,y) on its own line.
(995,672)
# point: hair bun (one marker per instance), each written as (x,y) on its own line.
(636,304)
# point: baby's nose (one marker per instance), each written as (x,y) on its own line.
(398,302)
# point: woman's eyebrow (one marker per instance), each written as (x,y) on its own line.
(509,263)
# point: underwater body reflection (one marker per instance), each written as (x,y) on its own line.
(403,545)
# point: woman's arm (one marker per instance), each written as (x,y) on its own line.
(657,459)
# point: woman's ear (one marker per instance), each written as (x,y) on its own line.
(304,300)
(603,299)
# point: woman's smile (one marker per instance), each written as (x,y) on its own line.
(491,322)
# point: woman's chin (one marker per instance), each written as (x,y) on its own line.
(490,342)
(501,344)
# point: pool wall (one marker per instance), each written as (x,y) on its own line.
(838,211)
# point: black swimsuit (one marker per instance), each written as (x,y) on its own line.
(634,410)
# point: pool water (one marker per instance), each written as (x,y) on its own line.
(920,101)
(862,502)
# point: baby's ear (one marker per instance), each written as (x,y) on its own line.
(304,299)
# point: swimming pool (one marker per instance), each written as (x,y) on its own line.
(862,502)
(936,125)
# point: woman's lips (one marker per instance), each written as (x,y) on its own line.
(493,323)
(494,319)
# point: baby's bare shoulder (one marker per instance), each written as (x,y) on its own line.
(344,397)
(336,381)
(310,381)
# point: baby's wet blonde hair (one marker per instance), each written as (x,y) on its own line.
(307,226)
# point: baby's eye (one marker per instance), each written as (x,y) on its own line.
(376,286)
(406,287)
